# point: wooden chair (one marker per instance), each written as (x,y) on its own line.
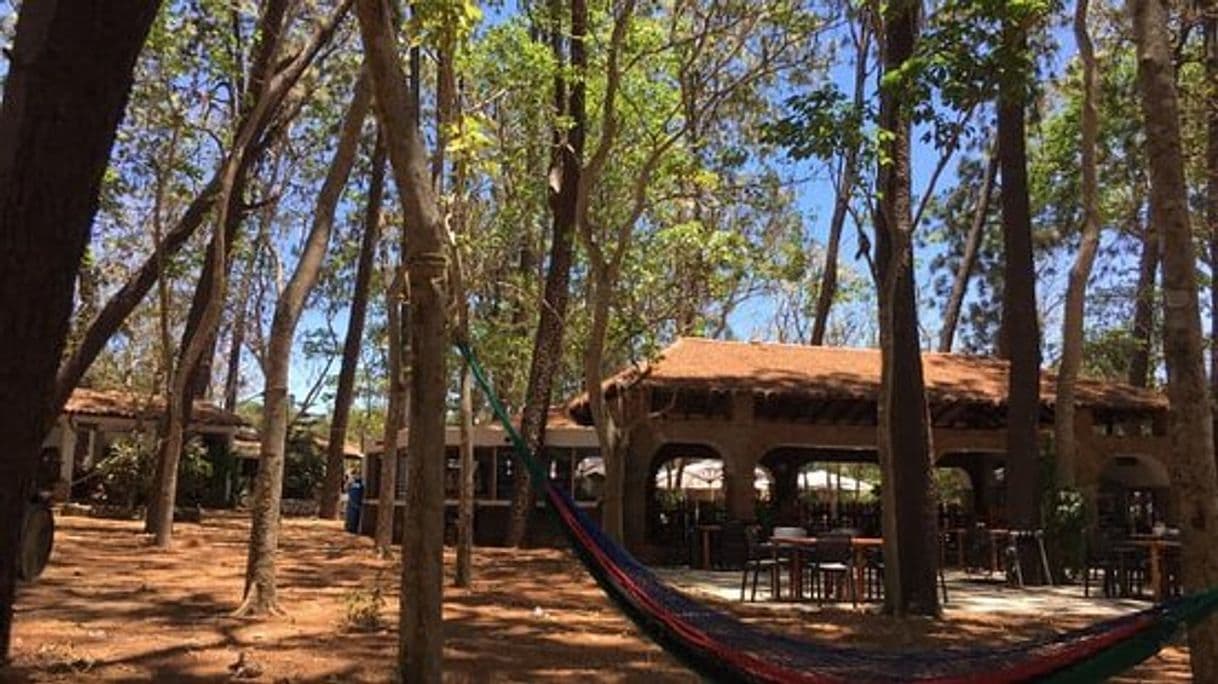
(833,566)
(1100,562)
(759,556)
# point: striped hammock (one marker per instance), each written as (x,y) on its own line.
(723,648)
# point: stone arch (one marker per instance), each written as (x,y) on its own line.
(663,526)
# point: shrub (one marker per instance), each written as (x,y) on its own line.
(363,607)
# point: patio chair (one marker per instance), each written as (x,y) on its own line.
(1133,569)
(1101,562)
(732,552)
(833,567)
(1173,583)
(759,556)
(873,576)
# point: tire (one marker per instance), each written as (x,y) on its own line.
(37,537)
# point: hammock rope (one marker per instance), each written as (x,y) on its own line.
(724,648)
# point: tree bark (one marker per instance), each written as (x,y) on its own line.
(566,162)
(1192,469)
(465,495)
(420,640)
(1080,273)
(1021,329)
(345,393)
(232,378)
(397,303)
(972,245)
(261,596)
(903,434)
(70,74)
(1210,18)
(841,204)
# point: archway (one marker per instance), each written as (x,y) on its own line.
(684,487)
(1134,494)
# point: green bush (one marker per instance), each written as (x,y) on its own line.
(363,607)
(125,473)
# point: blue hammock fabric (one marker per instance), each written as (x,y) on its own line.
(723,648)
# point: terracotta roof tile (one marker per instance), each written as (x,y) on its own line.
(127,404)
(850,373)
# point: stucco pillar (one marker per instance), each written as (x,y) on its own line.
(738,490)
(1087,461)
(981,474)
(638,488)
(741,452)
(785,490)
(67,459)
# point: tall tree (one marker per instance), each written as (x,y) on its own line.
(1080,273)
(566,160)
(207,306)
(903,432)
(70,74)
(261,596)
(1020,327)
(398,408)
(420,640)
(345,393)
(1190,419)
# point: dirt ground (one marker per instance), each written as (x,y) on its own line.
(110,609)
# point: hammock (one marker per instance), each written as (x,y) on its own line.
(723,648)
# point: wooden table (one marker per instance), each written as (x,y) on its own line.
(707,532)
(1157,547)
(859,544)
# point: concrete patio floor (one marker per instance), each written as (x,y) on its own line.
(967,595)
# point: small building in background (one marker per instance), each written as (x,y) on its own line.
(93,420)
(575,465)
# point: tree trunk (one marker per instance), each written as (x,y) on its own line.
(841,204)
(607,432)
(70,73)
(420,640)
(232,378)
(1210,8)
(1144,305)
(395,416)
(1080,273)
(261,595)
(345,393)
(972,245)
(465,508)
(1021,330)
(566,163)
(903,435)
(1192,470)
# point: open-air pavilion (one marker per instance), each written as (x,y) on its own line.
(782,407)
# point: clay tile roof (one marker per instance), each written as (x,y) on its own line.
(849,373)
(136,405)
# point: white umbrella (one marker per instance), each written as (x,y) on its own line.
(824,480)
